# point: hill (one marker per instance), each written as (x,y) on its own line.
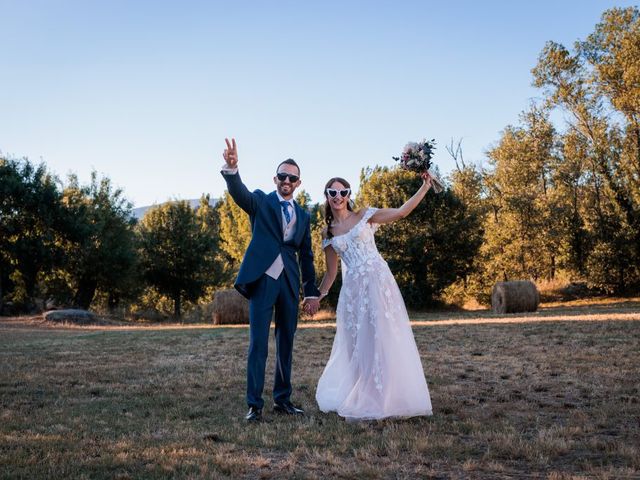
(139,212)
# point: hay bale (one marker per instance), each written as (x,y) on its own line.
(229,307)
(515,296)
(76,317)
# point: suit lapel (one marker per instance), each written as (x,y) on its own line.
(276,209)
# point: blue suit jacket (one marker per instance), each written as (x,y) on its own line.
(267,241)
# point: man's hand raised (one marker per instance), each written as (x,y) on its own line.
(230,153)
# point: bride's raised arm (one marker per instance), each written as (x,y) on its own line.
(331,260)
(388,215)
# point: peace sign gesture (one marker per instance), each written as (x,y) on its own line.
(230,153)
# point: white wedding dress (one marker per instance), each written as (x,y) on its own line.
(374,370)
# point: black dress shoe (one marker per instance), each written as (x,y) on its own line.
(287,408)
(254,415)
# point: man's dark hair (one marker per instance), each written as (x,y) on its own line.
(289,161)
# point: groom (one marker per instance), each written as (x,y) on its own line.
(270,276)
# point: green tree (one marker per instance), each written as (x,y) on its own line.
(101,250)
(208,217)
(30,227)
(468,186)
(466,181)
(175,251)
(521,235)
(599,85)
(304,200)
(428,251)
(235,230)
(570,197)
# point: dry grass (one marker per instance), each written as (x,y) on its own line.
(552,395)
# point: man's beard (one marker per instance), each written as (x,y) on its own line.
(282,192)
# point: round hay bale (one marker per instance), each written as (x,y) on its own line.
(76,317)
(229,307)
(515,296)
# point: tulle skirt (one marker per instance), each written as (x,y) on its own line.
(374,370)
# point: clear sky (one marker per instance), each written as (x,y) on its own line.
(146,91)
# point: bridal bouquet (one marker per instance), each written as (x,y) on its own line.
(416,157)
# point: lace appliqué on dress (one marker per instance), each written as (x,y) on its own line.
(375,369)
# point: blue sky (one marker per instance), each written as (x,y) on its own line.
(146,91)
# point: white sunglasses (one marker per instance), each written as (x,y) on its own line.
(332,192)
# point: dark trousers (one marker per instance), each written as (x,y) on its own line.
(270,294)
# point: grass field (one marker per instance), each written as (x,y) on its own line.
(550,395)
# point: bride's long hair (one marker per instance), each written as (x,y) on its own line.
(328,214)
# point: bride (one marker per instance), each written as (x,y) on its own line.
(374,370)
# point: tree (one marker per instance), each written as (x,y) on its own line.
(304,200)
(30,226)
(466,181)
(467,185)
(428,251)
(599,85)
(235,230)
(101,250)
(521,235)
(175,251)
(208,217)
(570,197)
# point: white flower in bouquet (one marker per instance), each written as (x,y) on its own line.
(416,157)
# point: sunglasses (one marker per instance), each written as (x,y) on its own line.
(332,192)
(292,178)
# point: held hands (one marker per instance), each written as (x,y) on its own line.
(230,153)
(311,306)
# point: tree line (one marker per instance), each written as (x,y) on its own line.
(80,245)
(552,203)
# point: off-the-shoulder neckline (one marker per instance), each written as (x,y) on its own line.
(364,215)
